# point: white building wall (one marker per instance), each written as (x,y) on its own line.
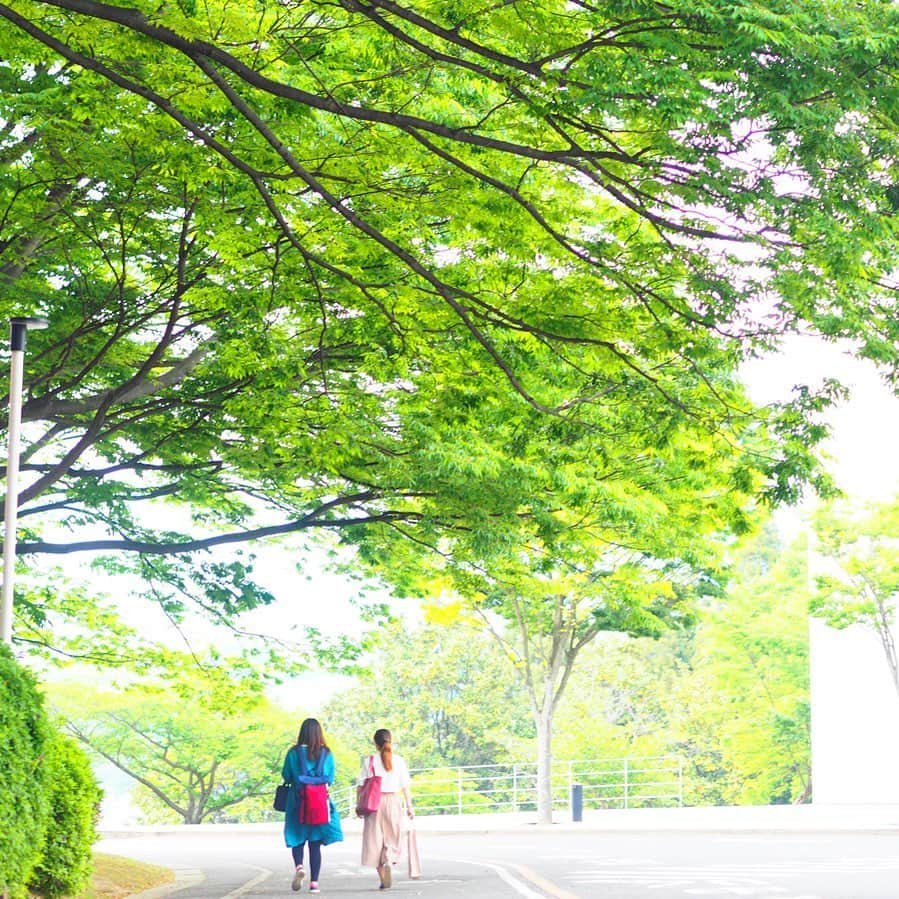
(854,717)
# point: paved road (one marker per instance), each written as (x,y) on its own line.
(559,864)
(258,865)
(716,866)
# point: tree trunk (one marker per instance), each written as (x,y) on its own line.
(884,626)
(544,766)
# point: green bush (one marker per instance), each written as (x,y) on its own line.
(24,799)
(64,868)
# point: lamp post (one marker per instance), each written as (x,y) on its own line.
(18,328)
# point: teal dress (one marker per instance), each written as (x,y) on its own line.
(298,770)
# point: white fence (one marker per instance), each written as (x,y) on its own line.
(606,783)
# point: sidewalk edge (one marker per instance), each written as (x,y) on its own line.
(184,878)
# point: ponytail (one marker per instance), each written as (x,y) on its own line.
(382,741)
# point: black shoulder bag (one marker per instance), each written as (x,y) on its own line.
(280,802)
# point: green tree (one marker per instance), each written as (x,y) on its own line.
(730,694)
(620,708)
(741,712)
(442,689)
(859,552)
(202,746)
(620,699)
(548,619)
(262,267)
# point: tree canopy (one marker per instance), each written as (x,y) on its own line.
(317,265)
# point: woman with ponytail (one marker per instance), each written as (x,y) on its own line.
(381,833)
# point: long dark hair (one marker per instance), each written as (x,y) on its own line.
(382,741)
(312,738)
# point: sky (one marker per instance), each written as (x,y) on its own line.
(862,449)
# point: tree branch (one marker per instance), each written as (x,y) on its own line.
(188,546)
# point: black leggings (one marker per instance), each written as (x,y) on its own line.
(315,857)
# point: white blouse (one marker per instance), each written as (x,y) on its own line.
(391,781)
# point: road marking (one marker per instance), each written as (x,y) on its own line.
(769,879)
(546,885)
(519,886)
(263,875)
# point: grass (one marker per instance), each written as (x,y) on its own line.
(116,877)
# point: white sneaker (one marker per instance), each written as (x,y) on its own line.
(298,878)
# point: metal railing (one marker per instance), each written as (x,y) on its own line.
(605,783)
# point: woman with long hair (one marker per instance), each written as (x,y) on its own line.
(309,761)
(381,832)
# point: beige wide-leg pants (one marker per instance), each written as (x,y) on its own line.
(381,832)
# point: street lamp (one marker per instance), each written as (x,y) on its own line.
(18,328)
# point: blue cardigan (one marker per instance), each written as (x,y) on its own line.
(297,770)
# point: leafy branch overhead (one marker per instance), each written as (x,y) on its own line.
(437,268)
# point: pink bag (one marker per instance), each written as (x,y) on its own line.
(368,797)
(412,852)
(313,807)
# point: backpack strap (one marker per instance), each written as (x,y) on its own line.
(318,770)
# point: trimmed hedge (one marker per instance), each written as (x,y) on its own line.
(49,797)
(64,868)
(24,793)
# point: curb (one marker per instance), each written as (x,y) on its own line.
(695,819)
(184,878)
